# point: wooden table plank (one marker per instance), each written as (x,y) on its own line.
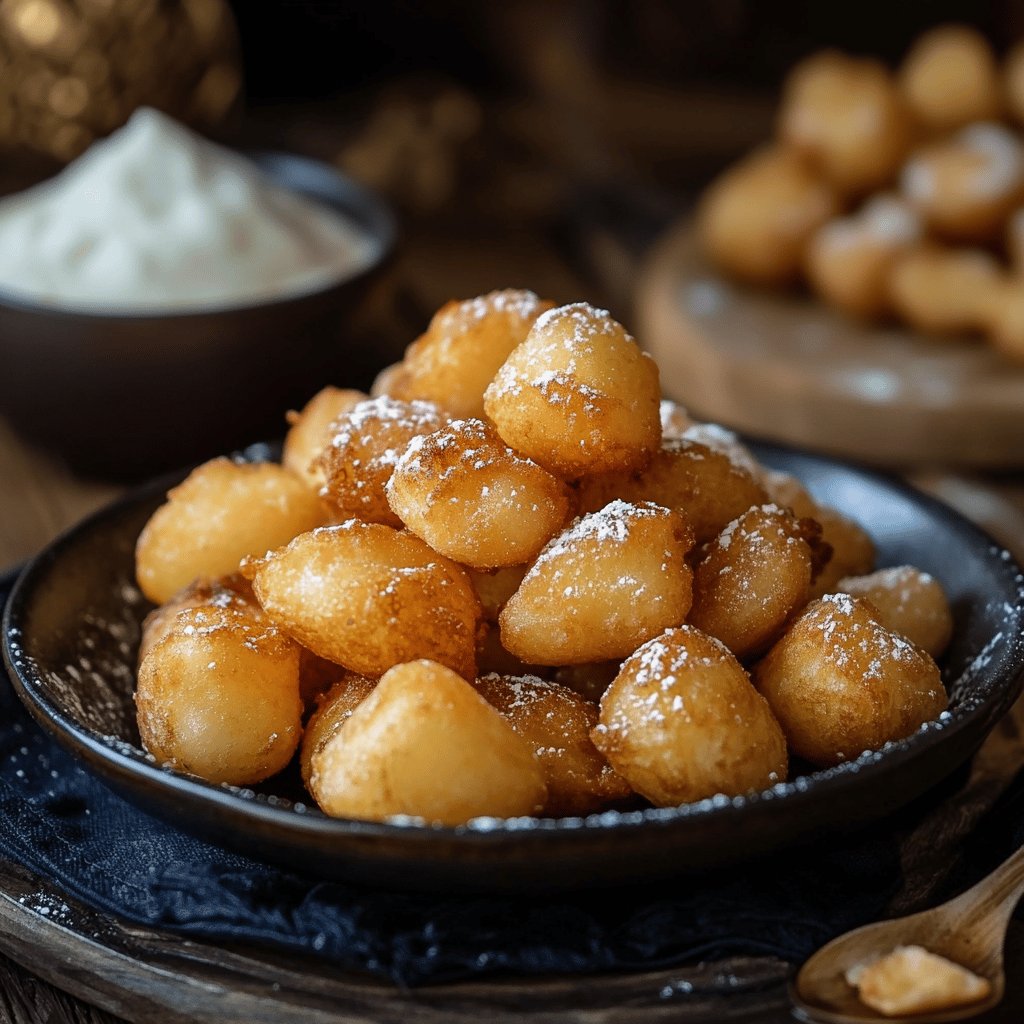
(40,498)
(25,999)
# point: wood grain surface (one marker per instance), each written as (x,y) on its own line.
(26,1000)
(40,498)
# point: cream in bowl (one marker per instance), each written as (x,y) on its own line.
(157,219)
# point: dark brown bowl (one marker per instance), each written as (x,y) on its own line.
(130,395)
(71,631)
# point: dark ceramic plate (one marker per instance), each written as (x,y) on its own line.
(70,635)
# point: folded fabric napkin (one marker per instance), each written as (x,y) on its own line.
(66,826)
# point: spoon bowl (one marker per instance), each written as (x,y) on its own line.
(969,930)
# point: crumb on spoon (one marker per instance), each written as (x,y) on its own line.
(911,980)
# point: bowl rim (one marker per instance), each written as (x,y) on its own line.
(108,756)
(367,208)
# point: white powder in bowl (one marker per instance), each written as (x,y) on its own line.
(157,219)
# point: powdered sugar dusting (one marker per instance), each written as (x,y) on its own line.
(548,357)
(889,218)
(365,422)
(461,317)
(876,648)
(718,439)
(903,583)
(478,446)
(998,170)
(365,445)
(656,675)
(1003,169)
(674,419)
(611,525)
(587,322)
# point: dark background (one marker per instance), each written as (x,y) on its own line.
(302,49)
(316,48)
(665,92)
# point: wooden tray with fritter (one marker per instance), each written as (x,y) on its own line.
(787,368)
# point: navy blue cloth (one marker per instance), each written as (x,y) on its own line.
(66,826)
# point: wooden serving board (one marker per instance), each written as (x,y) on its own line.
(785,367)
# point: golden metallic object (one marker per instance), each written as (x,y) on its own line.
(72,71)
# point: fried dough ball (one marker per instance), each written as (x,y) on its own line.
(705,485)
(754,576)
(853,550)
(719,439)
(840,683)
(368,597)
(950,79)
(850,258)
(221,513)
(316,676)
(845,116)
(472,498)
(361,454)
(232,591)
(944,291)
(425,743)
(463,348)
(674,420)
(494,588)
(333,710)
(682,722)
(218,695)
(786,491)
(578,395)
(907,601)
(556,722)
(756,219)
(967,186)
(589,681)
(491,656)
(1004,320)
(614,579)
(390,381)
(310,431)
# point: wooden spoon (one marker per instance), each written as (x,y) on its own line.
(968,930)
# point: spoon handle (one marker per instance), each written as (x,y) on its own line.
(997,894)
